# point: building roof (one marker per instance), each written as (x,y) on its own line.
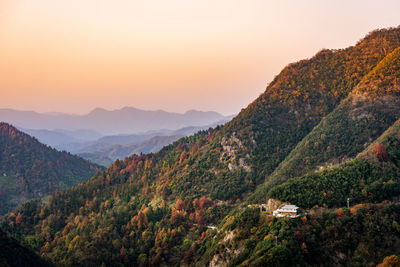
(289,207)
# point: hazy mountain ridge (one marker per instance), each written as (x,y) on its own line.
(109,148)
(53,138)
(127,120)
(160,209)
(105,149)
(107,142)
(107,155)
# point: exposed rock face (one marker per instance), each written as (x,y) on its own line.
(230,148)
(222,259)
(335,162)
(270,206)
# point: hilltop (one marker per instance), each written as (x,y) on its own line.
(30,169)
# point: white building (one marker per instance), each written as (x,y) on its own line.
(290,211)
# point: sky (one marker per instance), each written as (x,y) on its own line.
(75,55)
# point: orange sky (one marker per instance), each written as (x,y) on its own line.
(73,56)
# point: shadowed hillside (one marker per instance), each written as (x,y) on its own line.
(13,254)
(29,169)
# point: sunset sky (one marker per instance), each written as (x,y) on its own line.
(75,55)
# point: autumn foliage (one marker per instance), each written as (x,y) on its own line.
(171,208)
(381,152)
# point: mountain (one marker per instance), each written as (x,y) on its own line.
(302,94)
(109,148)
(125,120)
(372,107)
(187,203)
(30,169)
(51,138)
(108,155)
(362,235)
(64,139)
(109,141)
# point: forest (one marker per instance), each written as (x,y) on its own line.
(325,129)
(29,169)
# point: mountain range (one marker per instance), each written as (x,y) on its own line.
(127,120)
(325,136)
(104,150)
(109,153)
(63,139)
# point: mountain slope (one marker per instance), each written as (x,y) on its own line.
(301,95)
(372,107)
(360,236)
(30,169)
(242,154)
(373,176)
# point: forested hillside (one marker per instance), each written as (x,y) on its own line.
(372,107)
(360,236)
(373,176)
(161,209)
(29,169)
(302,94)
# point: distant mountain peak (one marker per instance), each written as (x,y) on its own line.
(195,111)
(128,108)
(97,110)
(192,111)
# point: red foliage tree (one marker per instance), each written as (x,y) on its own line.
(18,219)
(197,203)
(203,235)
(180,204)
(381,152)
(140,220)
(199,219)
(339,213)
(205,202)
